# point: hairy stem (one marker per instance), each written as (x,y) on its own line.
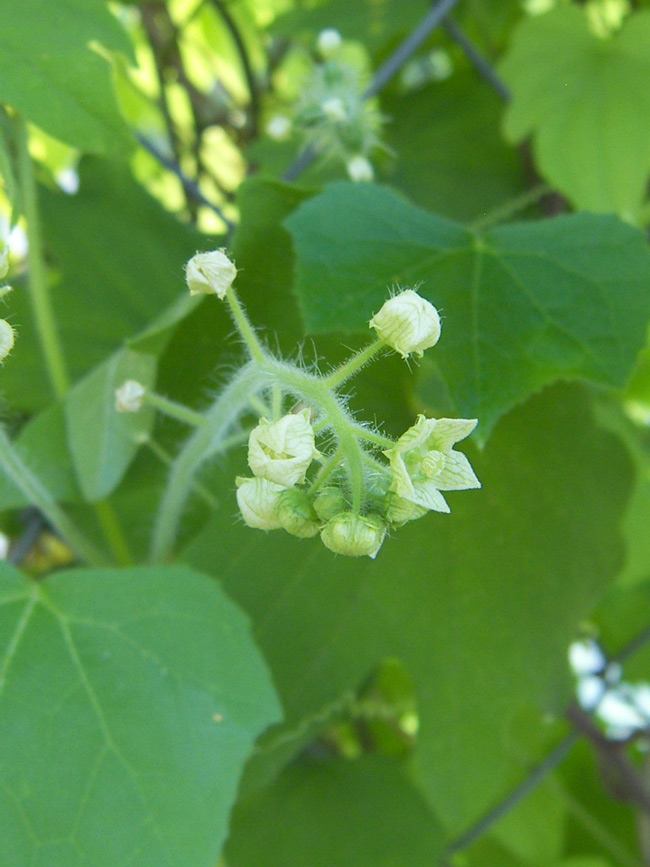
(354,363)
(172,409)
(317,392)
(207,440)
(41,302)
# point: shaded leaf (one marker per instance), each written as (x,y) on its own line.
(42,444)
(523,305)
(130,700)
(450,154)
(352,814)
(101,440)
(479,605)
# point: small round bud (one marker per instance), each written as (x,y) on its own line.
(128,397)
(281,451)
(296,513)
(329,502)
(258,500)
(328,43)
(6,339)
(360,169)
(354,535)
(4,262)
(400,511)
(408,323)
(278,127)
(210,273)
(334,109)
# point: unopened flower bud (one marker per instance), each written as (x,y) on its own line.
(400,511)
(296,513)
(210,273)
(334,109)
(360,169)
(4,262)
(329,502)
(328,43)
(258,500)
(128,397)
(281,451)
(354,535)
(6,339)
(408,323)
(278,127)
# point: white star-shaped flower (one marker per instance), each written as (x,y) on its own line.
(423,462)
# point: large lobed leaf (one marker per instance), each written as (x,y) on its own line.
(351,814)
(480,605)
(50,73)
(523,305)
(586,102)
(130,701)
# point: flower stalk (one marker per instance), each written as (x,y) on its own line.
(366,483)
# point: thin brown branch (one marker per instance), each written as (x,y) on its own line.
(229,21)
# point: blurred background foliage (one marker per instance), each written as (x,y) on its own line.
(425,696)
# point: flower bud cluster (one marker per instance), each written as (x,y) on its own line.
(331,113)
(7,336)
(420,464)
(316,470)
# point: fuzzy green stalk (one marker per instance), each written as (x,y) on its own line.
(373,437)
(172,409)
(317,393)
(354,364)
(39,295)
(326,471)
(38,495)
(244,327)
(202,444)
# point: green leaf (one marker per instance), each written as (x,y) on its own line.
(42,444)
(585,101)
(120,258)
(479,605)
(130,701)
(263,251)
(101,440)
(460,180)
(524,305)
(352,814)
(50,74)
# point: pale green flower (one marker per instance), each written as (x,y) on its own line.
(281,451)
(354,535)
(328,43)
(6,338)
(258,503)
(408,323)
(128,397)
(210,273)
(4,262)
(423,462)
(296,513)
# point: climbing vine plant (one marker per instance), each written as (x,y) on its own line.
(324,458)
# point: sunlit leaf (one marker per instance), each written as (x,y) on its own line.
(130,701)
